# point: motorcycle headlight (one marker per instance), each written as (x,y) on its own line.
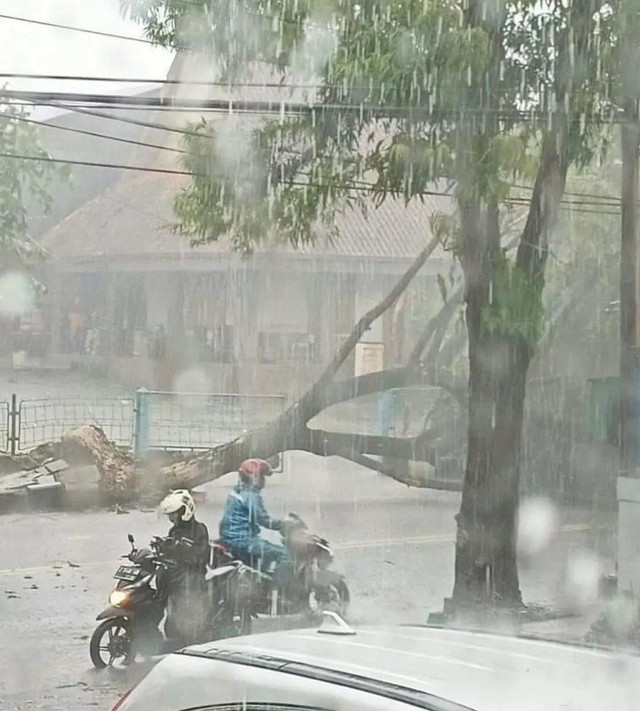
(118,598)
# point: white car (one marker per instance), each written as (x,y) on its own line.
(335,668)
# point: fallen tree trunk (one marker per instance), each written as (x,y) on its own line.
(291,431)
(88,444)
(276,437)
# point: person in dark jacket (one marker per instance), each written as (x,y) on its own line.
(188,546)
(245,514)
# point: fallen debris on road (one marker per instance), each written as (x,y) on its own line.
(87,470)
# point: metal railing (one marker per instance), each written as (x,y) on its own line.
(41,421)
(5,427)
(166,420)
(153,420)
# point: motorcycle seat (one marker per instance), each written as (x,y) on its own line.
(252,561)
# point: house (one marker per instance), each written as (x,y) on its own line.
(129,296)
(72,135)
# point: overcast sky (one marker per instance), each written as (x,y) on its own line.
(28,48)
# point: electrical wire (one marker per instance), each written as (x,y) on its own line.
(84,30)
(283,107)
(171,129)
(231,85)
(226,106)
(311,184)
(166,82)
(95,164)
(96,134)
(142,40)
(592,196)
(603,200)
(145,109)
(159,103)
(124,119)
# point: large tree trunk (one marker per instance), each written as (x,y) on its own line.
(486,567)
(486,571)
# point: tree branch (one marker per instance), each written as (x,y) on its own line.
(394,378)
(362,385)
(289,430)
(407,479)
(418,448)
(437,327)
(365,321)
(437,323)
(548,189)
(441,327)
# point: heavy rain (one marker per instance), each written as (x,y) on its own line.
(319,315)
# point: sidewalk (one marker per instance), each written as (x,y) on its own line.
(565,629)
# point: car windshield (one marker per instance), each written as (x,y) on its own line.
(319,314)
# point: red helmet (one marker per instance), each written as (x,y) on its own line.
(254,472)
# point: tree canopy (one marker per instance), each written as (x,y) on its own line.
(25,178)
(418,93)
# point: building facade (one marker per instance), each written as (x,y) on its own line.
(128,296)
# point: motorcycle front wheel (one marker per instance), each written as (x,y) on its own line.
(111,644)
(334,596)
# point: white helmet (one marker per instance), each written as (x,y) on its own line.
(178,506)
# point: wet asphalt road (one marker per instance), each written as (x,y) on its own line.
(394,544)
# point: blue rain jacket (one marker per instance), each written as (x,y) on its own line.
(244,515)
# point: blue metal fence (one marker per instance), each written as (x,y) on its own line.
(166,420)
(151,420)
(5,442)
(42,421)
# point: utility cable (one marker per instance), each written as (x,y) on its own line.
(172,171)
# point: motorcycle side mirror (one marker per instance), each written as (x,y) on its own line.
(131,539)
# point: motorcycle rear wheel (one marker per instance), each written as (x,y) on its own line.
(118,646)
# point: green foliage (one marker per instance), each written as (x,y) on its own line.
(22,182)
(233,35)
(447,80)
(231,193)
(515,309)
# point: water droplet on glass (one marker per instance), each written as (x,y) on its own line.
(582,579)
(17,294)
(538,523)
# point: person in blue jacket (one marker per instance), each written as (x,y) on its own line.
(245,514)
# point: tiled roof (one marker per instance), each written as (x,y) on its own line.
(133,217)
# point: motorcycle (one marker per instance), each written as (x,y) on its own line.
(310,588)
(130,625)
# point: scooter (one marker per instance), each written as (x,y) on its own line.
(130,625)
(311,587)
